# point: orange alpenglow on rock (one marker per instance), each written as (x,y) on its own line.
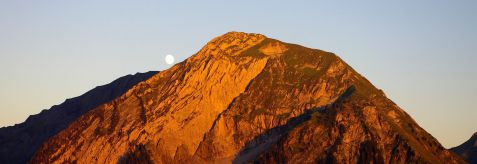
(248,98)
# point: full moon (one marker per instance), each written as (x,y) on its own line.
(169,59)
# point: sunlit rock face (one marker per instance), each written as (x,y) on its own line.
(248,98)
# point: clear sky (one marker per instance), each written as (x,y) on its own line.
(423,54)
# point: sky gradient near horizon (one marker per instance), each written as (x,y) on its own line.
(423,54)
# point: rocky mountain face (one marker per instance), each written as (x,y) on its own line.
(468,150)
(18,143)
(248,98)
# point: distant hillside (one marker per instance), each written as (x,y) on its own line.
(468,149)
(18,143)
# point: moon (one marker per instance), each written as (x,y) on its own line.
(169,59)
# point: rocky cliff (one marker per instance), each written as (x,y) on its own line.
(468,149)
(248,98)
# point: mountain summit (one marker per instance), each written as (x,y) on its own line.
(248,98)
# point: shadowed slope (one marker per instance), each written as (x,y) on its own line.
(19,142)
(468,150)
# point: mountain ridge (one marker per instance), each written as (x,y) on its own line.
(248,98)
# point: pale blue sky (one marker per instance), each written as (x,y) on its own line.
(422,54)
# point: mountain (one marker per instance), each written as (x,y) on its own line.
(468,149)
(248,98)
(18,143)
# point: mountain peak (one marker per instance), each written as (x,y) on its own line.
(239,35)
(230,44)
(247,98)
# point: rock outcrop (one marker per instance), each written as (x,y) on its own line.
(468,149)
(248,98)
